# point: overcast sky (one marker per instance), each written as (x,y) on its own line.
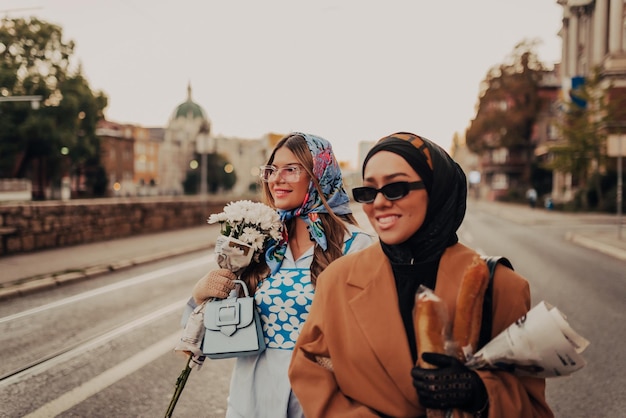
(347,70)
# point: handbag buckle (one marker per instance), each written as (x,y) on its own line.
(227,314)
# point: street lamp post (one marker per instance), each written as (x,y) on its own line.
(203,174)
(66,190)
(621,152)
(616,147)
(202,145)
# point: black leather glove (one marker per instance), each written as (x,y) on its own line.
(450,386)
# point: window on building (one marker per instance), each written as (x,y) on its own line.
(499,181)
(499,156)
(552,132)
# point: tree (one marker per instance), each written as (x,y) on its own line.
(508,104)
(46,143)
(585,122)
(217,178)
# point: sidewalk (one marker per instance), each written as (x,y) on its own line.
(24,273)
(602,237)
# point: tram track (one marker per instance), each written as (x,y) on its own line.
(80,345)
(73,350)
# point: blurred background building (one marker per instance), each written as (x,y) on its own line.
(148,161)
(549,127)
(536,126)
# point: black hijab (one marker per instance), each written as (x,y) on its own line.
(416,260)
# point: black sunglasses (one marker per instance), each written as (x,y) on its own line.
(391,191)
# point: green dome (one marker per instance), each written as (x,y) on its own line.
(189,108)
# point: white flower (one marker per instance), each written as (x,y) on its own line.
(218,217)
(253,237)
(251,222)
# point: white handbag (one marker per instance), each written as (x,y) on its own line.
(232,327)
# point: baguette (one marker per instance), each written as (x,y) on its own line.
(430,322)
(430,325)
(469,307)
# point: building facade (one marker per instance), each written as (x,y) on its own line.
(188,135)
(545,134)
(117,156)
(594,35)
(146,162)
(143,161)
(180,143)
(593,40)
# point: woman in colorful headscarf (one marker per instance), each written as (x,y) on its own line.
(357,353)
(302,180)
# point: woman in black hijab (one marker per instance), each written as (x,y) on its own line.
(414,262)
(357,352)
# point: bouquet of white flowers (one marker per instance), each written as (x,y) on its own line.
(246,229)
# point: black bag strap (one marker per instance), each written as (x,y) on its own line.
(487,320)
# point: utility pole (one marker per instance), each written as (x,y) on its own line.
(202,146)
(616,147)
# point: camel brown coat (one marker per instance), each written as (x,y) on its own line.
(355,320)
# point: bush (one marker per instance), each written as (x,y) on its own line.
(610,201)
(191,182)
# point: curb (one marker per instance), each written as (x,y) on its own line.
(29,285)
(596,245)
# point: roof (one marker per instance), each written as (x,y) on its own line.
(189,108)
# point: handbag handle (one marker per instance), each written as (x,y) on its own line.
(245,288)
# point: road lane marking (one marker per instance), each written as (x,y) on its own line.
(91,344)
(106,379)
(115,286)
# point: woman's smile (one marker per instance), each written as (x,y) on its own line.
(387,221)
(280,192)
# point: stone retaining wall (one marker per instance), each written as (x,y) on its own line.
(33,226)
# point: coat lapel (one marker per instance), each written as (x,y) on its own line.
(375,303)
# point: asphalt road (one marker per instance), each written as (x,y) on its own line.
(585,285)
(103,347)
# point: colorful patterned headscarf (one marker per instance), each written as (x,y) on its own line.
(326,170)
